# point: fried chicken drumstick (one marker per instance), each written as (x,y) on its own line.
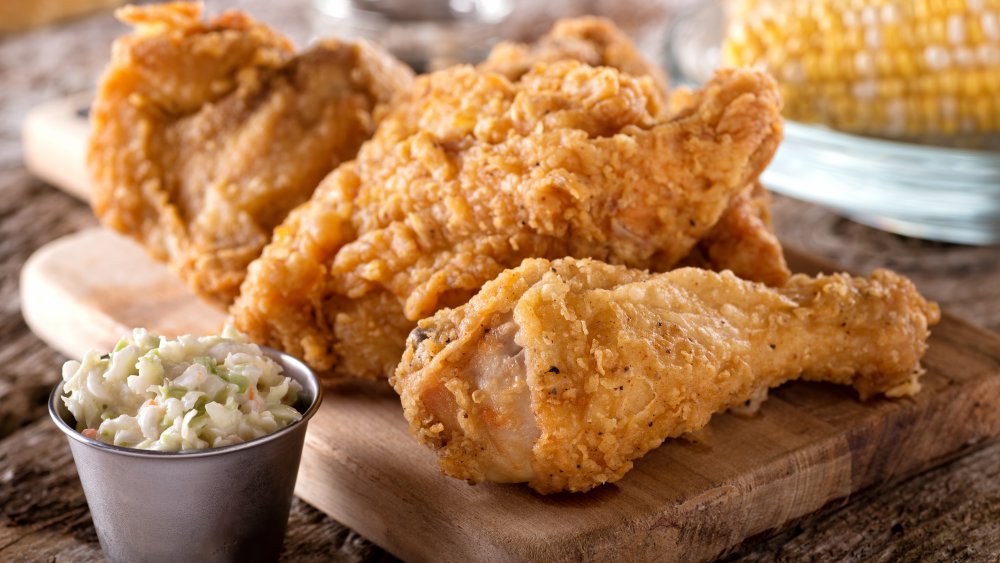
(559,374)
(205,134)
(472,173)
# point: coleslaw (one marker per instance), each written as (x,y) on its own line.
(190,393)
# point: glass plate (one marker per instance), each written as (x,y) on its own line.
(929,192)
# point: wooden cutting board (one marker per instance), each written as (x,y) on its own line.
(810,445)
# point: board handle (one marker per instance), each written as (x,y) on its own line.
(54,137)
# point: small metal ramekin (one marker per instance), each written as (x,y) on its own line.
(217,504)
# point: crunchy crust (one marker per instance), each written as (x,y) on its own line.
(743,241)
(591,40)
(617,360)
(472,173)
(205,134)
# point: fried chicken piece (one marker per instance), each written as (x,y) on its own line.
(743,241)
(205,135)
(591,40)
(473,173)
(560,374)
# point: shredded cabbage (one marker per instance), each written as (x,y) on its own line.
(185,394)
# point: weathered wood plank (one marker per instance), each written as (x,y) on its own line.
(950,513)
(28,368)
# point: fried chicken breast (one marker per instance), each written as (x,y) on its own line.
(205,134)
(472,173)
(560,374)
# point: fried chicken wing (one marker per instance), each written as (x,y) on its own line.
(205,134)
(472,173)
(591,40)
(743,240)
(560,374)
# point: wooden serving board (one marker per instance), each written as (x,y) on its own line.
(810,445)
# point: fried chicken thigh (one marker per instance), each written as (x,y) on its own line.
(560,374)
(205,134)
(472,173)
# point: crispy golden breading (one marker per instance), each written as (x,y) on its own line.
(472,173)
(560,374)
(205,135)
(591,40)
(743,241)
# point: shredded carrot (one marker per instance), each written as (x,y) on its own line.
(250,393)
(90,433)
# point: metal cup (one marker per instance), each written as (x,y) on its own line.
(217,504)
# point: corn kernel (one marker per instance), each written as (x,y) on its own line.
(937,33)
(889,66)
(972,84)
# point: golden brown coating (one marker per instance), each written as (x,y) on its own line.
(205,134)
(472,173)
(743,241)
(591,40)
(560,374)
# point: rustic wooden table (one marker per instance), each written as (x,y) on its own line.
(949,513)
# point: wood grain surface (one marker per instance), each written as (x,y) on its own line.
(810,445)
(951,513)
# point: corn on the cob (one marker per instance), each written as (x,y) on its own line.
(897,68)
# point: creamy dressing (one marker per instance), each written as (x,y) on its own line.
(185,394)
